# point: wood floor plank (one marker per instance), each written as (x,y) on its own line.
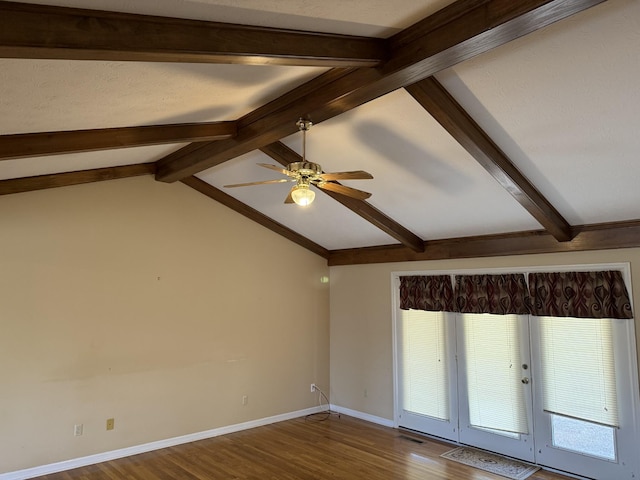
(339,448)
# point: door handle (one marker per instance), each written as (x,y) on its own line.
(525,380)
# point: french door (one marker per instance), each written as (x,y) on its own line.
(586,406)
(427,398)
(494,384)
(571,403)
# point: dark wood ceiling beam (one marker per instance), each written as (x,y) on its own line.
(39,31)
(584,238)
(284,155)
(41,182)
(434,98)
(255,130)
(227,200)
(55,143)
(458,32)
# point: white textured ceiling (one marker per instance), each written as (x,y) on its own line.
(50,95)
(562,103)
(375,18)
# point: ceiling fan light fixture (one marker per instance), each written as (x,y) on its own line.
(306,173)
(302,195)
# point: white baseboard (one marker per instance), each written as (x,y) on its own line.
(385,422)
(148,447)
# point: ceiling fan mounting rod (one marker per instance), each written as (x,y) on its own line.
(303,126)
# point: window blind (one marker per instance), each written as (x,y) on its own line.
(578,368)
(424,364)
(493,362)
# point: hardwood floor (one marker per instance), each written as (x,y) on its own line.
(338,448)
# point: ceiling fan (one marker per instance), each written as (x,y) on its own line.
(306,174)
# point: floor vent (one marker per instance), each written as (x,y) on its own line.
(411,439)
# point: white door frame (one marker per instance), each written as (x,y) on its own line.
(627,372)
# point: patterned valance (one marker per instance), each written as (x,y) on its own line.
(433,293)
(579,294)
(498,294)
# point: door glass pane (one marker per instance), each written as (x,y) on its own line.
(425,379)
(493,365)
(577,356)
(583,437)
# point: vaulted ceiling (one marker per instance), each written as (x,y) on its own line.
(491,127)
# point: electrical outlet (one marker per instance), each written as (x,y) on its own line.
(245,399)
(111,423)
(313,387)
(78,429)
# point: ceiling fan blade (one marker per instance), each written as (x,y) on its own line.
(344,190)
(289,198)
(264,182)
(355,175)
(277,169)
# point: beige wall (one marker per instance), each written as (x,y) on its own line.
(361,326)
(151,304)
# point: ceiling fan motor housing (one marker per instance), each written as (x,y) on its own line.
(305,169)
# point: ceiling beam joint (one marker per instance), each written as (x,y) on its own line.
(435,99)
(458,32)
(251,213)
(585,238)
(284,155)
